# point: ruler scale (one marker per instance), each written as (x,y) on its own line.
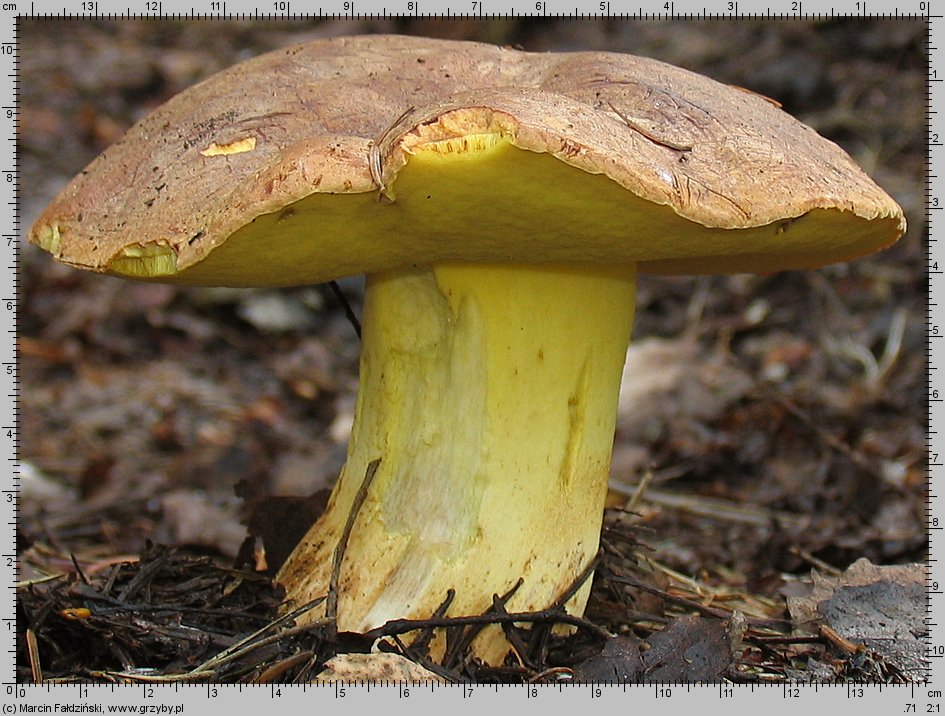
(774,698)
(9,410)
(936,319)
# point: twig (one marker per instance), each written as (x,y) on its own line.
(511,635)
(217,661)
(331,606)
(408,653)
(466,636)
(711,507)
(112,578)
(144,575)
(422,643)
(696,606)
(823,566)
(153,678)
(280,668)
(893,346)
(78,569)
(291,616)
(577,583)
(401,626)
(556,671)
(32,647)
(637,495)
(27,583)
(555,614)
(349,312)
(786,640)
(843,644)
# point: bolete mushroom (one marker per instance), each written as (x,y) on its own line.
(501,204)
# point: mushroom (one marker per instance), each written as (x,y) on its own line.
(501,204)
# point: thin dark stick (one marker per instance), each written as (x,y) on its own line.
(696,606)
(78,569)
(752,638)
(143,577)
(253,639)
(408,653)
(405,651)
(32,648)
(349,312)
(331,605)
(511,635)
(466,636)
(421,645)
(499,615)
(578,583)
(276,671)
(110,582)
(401,626)
(538,639)
(232,653)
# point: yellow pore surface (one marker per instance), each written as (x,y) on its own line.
(480,199)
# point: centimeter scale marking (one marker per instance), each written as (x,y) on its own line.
(340,9)
(936,263)
(9,410)
(352,11)
(178,698)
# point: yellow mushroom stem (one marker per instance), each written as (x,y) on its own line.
(489,393)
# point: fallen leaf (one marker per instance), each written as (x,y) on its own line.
(881,607)
(689,649)
(386,668)
(619,662)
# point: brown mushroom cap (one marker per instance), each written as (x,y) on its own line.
(269,173)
